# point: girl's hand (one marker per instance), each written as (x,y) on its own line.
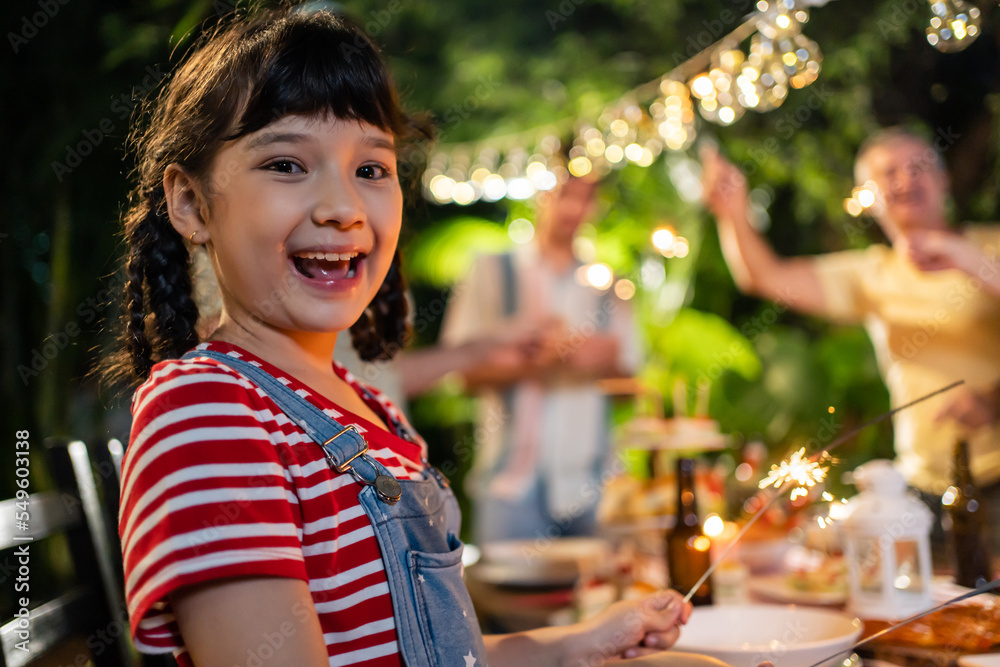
(629,629)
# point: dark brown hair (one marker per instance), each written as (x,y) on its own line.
(239,77)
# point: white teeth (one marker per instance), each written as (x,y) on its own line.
(328,256)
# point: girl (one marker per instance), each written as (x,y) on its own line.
(274,510)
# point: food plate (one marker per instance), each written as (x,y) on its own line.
(682,433)
(682,441)
(539,563)
(776,587)
(763,556)
(980,660)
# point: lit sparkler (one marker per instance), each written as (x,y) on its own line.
(806,472)
(800,470)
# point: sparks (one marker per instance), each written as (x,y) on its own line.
(806,473)
(798,470)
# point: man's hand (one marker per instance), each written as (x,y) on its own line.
(724,186)
(940,250)
(629,629)
(972,409)
(591,354)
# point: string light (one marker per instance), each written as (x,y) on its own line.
(713,525)
(780,57)
(763,83)
(660,115)
(953,25)
(580,166)
(673,115)
(597,275)
(521,231)
(624,289)
(717,90)
(863,198)
(681,247)
(663,239)
(669,244)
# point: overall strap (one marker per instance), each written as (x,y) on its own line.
(607,308)
(343,446)
(509,282)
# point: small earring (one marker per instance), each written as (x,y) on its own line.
(193,234)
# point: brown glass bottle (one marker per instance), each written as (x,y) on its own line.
(965,523)
(688,556)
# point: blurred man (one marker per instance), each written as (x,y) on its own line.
(542,433)
(930,302)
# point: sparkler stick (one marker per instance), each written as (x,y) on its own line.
(847,436)
(985,588)
(804,472)
(711,568)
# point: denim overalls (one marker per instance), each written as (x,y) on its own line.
(416,523)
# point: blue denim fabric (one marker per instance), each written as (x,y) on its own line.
(418,536)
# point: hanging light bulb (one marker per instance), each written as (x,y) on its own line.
(674,115)
(781,57)
(807,61)
(762,82)
(953,25)
(865,198)
(717,91)
(620,137)
(778,19)
(579,164)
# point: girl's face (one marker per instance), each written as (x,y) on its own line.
(304,216)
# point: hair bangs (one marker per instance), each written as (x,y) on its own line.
(316,64)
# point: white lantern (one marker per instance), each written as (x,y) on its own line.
(887,534)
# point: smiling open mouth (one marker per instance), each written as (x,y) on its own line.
(327,265)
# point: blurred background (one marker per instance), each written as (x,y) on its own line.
(75,73)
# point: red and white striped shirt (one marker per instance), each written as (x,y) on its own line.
(218,482)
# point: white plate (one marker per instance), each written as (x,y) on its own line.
(981,660)
(507,574)
(787,635)
(531,553)
(540,562)
(776,587)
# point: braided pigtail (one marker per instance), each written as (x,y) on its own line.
(137,350)
(168,283)
(383,329)
(159,315)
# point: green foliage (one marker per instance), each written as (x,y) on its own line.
(444,253)
(698,346)
(506,69)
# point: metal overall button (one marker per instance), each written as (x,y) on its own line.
(386,487)
(438,475)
